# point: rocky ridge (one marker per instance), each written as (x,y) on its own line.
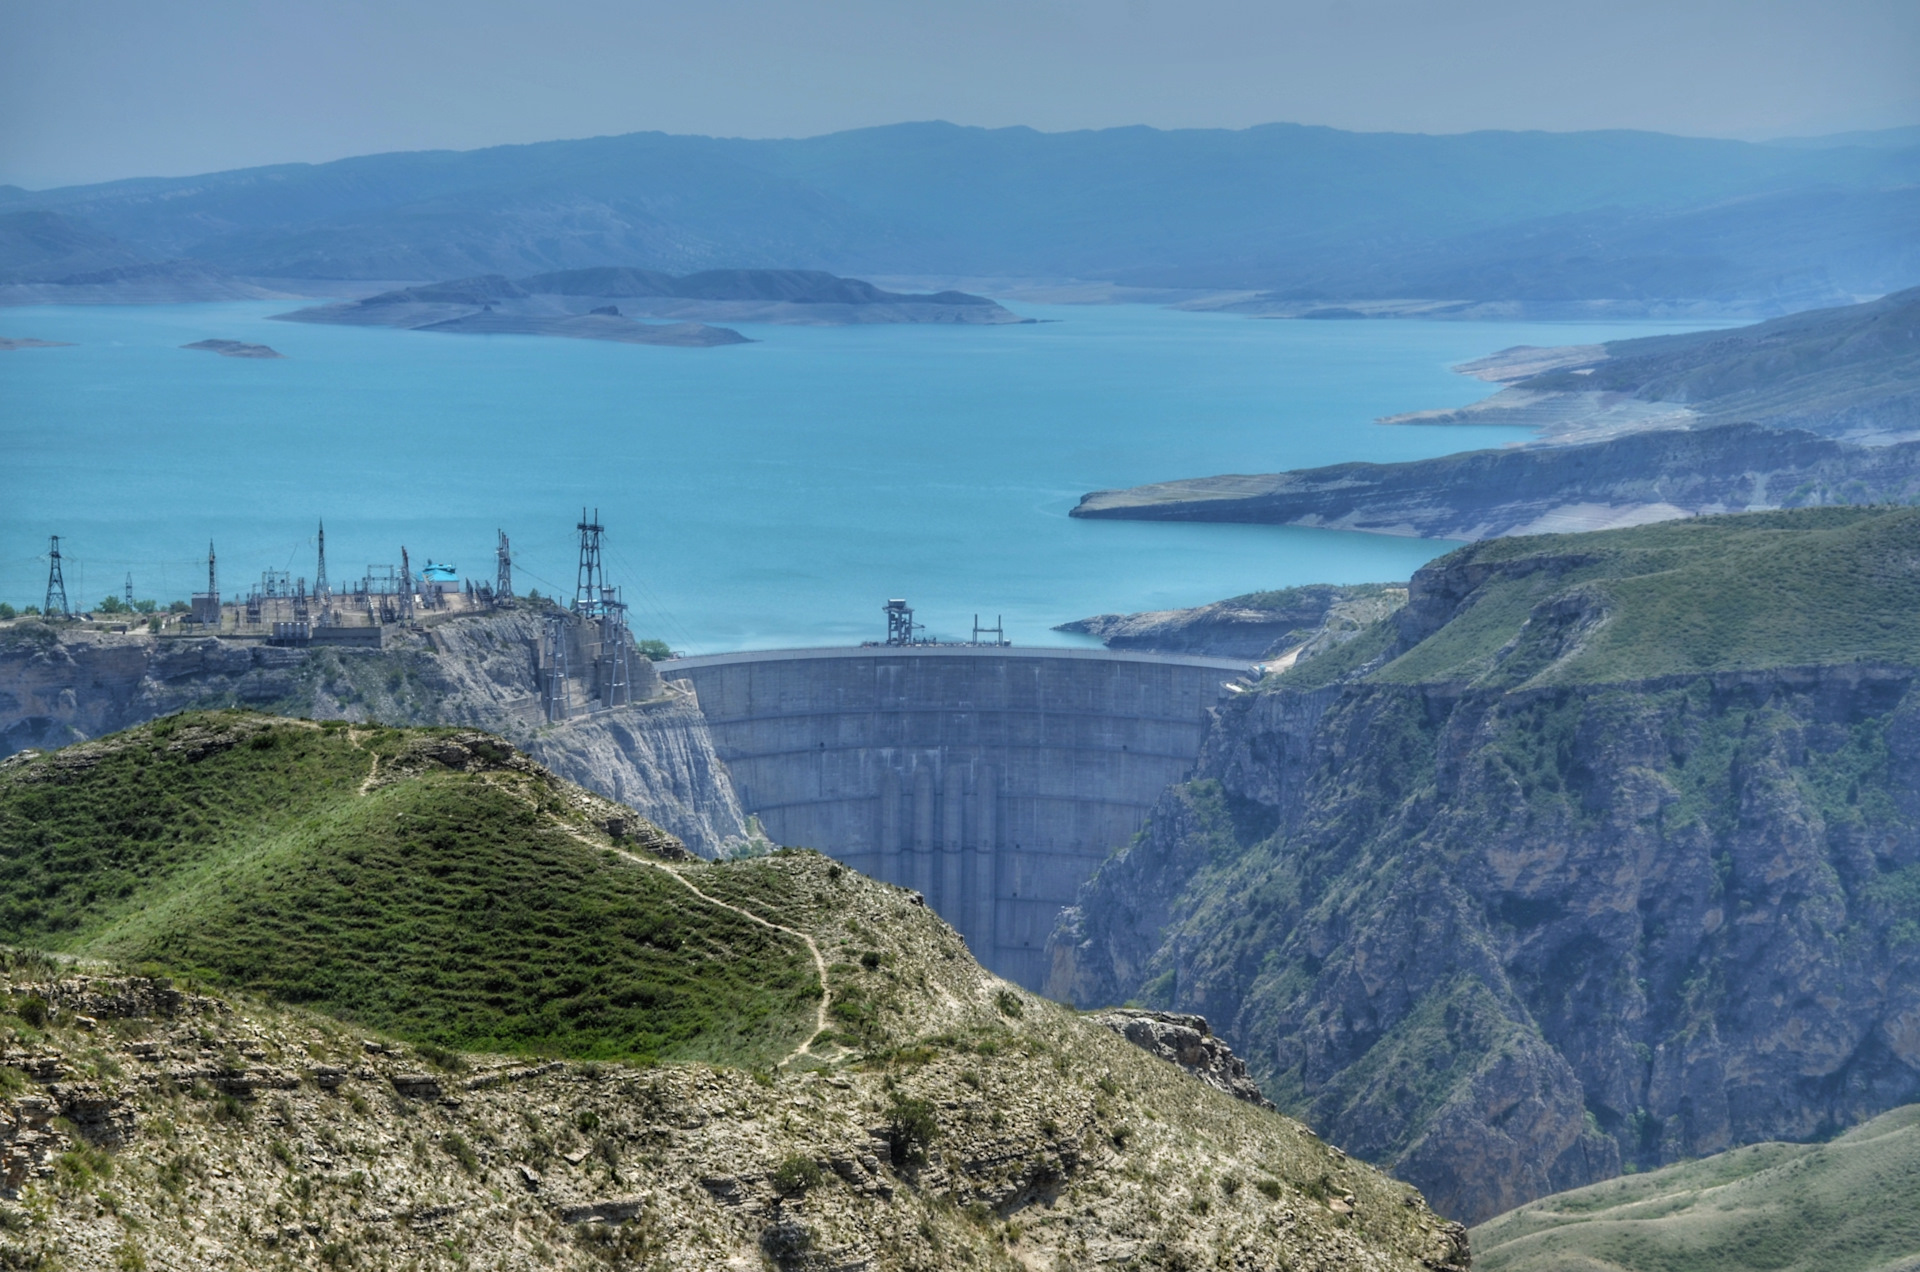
(60,684)
(1631,480)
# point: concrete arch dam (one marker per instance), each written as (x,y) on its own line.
(991,780)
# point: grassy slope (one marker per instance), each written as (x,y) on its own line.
(1848,1206)
(1811,586)
(470,909)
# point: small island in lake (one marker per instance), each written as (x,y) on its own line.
(235,349)
(602,304)
(7,344)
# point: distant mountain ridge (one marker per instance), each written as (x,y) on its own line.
(1289,209)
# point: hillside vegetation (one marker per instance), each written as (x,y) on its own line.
(1848,1205)
(427,882)
(1601,853)
(1808,587)
(810,1071)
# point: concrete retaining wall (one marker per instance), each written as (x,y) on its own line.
(991,780)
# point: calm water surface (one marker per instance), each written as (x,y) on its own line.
(760,495)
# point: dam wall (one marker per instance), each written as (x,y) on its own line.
(991,780)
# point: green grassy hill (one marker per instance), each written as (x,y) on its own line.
(427,882)
(1812,586)
(1852,1205)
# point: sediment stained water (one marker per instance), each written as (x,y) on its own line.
(755,496)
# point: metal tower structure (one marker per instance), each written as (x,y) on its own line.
(129,597)
(56,581)
(213,586)
(997,631)
(320,588)
(590,579)
(503,572)
(900,624)
(406,587)
(553,657)
(616,685)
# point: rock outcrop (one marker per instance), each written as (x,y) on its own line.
(65,683)
(1186,1040)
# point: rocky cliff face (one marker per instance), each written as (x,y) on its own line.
(1508,935)
(1507,946)
(65,684)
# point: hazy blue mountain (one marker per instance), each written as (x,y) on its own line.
(1282,207)
(39,246)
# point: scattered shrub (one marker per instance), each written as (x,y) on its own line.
(34,1011)
(441,1057)
(457,1148)
(1010,1004)
(911,1130)
(797,1174)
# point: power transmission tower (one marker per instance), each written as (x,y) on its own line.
(129,589)
(320,573)
(56,581)
(406,587)
(586,592)
(503,572)
(559,692)
(617,686)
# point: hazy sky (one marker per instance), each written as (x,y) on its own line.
(111,88)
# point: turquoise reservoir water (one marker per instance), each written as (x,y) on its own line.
(760,495)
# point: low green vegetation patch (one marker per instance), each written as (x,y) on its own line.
(468,909)
(1845,1206)
(1806,587)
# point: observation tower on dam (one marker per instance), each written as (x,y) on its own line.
(991,779)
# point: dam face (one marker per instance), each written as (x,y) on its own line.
(991,780)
